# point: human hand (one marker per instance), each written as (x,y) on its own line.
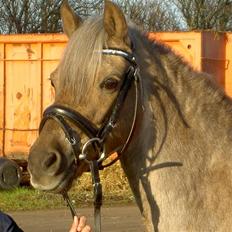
(79,225)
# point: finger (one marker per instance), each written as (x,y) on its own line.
(74,225)
(86,229)
(82,223)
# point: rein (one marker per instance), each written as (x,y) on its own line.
(97,136)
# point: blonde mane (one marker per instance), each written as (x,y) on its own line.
(81,59)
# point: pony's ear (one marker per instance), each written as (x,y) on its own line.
(115,23)
(69,19)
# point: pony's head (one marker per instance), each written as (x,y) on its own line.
(88,80)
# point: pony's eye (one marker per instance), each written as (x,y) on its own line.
(109,84)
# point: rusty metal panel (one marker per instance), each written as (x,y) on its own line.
(52,53)
(1,97)
(22,51)
(33,38)
(228,65)
(213,55)
(18,143)
(48,90)
(205,51)
(23,95)
(188,45)
(25,65)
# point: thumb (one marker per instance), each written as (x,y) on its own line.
(74,225)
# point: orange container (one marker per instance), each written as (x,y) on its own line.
(205,51)
(228,66)
(26,62)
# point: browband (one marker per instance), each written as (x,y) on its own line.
(128,56)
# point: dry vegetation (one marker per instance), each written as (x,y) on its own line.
(114,184)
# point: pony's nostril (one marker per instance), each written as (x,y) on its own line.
(50,160)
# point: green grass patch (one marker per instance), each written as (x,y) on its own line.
(115,191)
(27,198)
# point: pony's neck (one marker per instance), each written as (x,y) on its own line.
(185,113)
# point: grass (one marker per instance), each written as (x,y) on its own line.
(28,199)
(115,191)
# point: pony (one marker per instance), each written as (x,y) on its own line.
(178,158)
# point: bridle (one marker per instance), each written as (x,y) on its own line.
(60,114)
(97,136)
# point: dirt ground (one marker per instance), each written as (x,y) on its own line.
(120,219)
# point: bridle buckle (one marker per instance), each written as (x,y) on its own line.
(83,155)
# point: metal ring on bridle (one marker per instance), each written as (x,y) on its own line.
(83,155)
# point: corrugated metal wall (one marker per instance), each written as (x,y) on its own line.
(26,62)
